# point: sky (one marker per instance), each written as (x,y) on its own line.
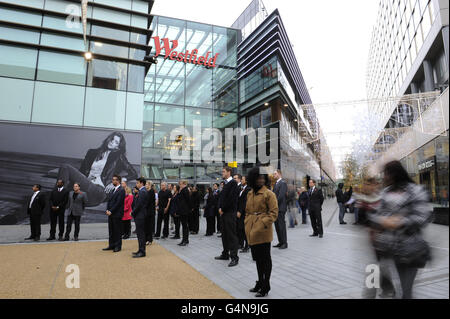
(331,41)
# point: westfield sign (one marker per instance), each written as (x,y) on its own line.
(192,57)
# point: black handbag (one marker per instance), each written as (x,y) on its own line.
(412,250)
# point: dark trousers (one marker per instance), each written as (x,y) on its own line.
(115,232)
(261,254)
(35,225)
(303,210)
(229,236)
(126,227)
(57,217)
(184,221)
(176,220)
(140,232)
(407,276)
(73,219)
(341,212)
(219,222)
(240,228)
(280,227)
(162,218)
(149,226)
(194,220)
(316,221)
(210,225)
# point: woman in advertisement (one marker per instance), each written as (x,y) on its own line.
(98,167)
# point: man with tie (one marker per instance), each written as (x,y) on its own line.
(280,189)
(228,199)
(36,207)
(58,202)
(139,213)
(315,208)
(115,211)
(242,203)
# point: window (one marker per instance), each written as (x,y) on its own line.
(140,6)
(109,33)
(62,68)
(65,42)
(148,121)
(111,15)
(136,76)
(266,116)
(109,49)
(28,3)
(167,118)
(17,34)
(18,16)
(60,24)
(107,75)
(124,4)
(104,108)
(17,97)
(58,104)
(135,103)
(17,62)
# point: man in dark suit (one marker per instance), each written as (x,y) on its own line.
(280,189)
(242,203)
(36,206)
(341,203)
(139,213)
(184,210)
(58,202)
(150,218)
(228,199)
(315,208)
(114,210)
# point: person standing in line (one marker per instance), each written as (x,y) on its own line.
(340,198)
(77,203)
(227,209)
(216,190)
(184,211)
(242,203)
(303,200)
(150,217)
(115,212)
(164,197)
(173,210)
(58,202)
(261,213)
(316,199)
(210,212)
(36,206)
(194,217)
(404,212)
(126,220)
(280,189)
(138,213)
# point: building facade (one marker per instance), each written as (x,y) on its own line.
(59,106)
(409,59)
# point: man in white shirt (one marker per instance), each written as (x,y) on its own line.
(36,207)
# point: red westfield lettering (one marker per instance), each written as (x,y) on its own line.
(186,57)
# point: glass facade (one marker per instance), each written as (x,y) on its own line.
(178,93)
(62,87)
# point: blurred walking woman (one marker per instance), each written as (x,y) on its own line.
(261,213)
(404,211)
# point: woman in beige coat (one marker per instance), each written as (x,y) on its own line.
(260,213)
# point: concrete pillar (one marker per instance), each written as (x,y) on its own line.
(445,39)
(414,88)
(429,78)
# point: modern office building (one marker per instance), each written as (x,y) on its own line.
(273,94)
(408,59)
(96,90)
(57,103)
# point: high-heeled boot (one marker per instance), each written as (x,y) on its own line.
(257,287)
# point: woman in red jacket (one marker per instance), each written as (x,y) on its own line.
(126,220)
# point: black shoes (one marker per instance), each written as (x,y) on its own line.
(51,238)
(175,237)
(221,257)
(66,238)
(277,246)
(75,238)
(108,248)
(244,250)
(320,236)
(284,246)
(36,239)
(29,238)
(116,250)
(314,235)
(126,236)
(343,223)
(234,262)
(139,255)
(257,287)
(60,238)
(183,243)
(261,294)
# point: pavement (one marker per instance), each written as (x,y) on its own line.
(311,268)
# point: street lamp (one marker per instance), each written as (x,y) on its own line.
(88,56)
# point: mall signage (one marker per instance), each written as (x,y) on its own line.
(429,163)
(187,57)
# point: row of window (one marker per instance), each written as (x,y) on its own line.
(49,66)
(61,104)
